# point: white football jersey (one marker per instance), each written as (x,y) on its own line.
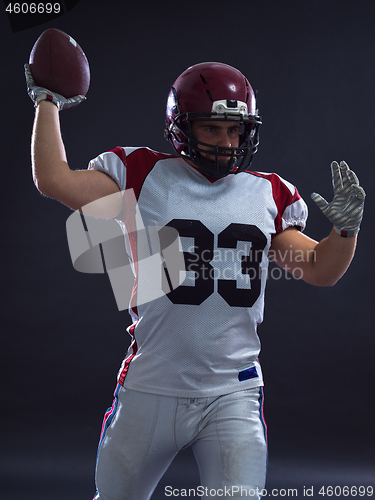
(200,339)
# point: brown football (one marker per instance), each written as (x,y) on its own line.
(59,64)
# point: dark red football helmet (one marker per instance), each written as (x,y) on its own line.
(213,91)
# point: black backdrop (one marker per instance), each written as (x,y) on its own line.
(313,64)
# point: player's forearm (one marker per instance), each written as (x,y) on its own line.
(48,155)
(333,256)
(320,264)
(53,177)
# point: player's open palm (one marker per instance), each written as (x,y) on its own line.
(345,211)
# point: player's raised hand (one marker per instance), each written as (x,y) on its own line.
(38,94)
(345,211)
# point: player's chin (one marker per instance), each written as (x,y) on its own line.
(221,160)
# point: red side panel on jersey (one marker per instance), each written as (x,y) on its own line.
(281,194)
(125,369)
(138,164)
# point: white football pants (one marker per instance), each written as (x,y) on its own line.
(142,433)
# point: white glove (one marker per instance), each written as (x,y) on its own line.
(38,94)
(345,211)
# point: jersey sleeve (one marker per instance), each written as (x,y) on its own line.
(113,164)
(292,209)
(295,214)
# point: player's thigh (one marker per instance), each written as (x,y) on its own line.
(231,450)
(136,447)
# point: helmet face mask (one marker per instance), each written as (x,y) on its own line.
(191,99)
(215,161)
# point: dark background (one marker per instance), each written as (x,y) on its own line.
(313,64)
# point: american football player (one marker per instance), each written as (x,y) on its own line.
(191,376)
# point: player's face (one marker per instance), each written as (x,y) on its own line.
(225,134)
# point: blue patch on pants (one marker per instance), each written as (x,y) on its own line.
(248,373)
